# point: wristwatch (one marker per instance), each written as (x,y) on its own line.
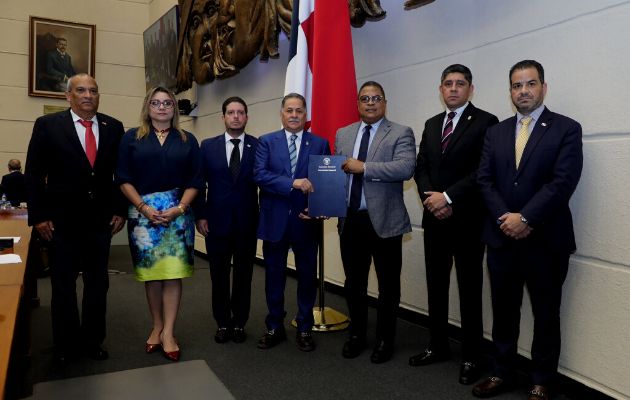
(524,220)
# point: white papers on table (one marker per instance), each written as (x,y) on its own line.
(10,259)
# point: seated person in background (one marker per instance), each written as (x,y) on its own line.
(13,184)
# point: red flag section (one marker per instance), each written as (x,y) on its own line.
(331,61)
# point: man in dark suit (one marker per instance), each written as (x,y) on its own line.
(280,170)
(59,65)
(13,184)
(453,214)
(530,167)
(381,156)
(74,204)
(228,216)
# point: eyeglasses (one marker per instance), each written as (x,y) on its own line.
(166,103)
(374,99)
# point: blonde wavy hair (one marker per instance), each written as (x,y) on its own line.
(145,118)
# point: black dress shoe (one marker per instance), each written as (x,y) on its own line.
(272,338)
(468,373)
(538,393)
(382,352)
(96,353)
(353,347)
(223,335)
(427,357)
(239,335)
(304,341)
(491,387)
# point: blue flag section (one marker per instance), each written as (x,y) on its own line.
(331,186)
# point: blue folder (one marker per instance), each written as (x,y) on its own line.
(330,183)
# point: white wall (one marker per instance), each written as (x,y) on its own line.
(119,64)
(581,43)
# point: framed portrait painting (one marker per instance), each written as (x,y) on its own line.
(58,50)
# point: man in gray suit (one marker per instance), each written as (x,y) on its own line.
(381,156)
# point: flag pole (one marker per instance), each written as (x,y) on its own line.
(326,319)
(330,91)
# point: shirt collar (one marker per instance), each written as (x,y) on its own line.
(374,126)
(534,114)
(76,118)
(228,137)
(288,134)
(458,111)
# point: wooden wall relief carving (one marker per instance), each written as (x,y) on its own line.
(219,37)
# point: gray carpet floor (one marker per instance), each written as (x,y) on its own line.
(249,373)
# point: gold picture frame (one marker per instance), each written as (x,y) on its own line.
(58,50)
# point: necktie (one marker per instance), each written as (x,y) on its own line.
(521,139)
(235,158)
(448,129)
(90,141)
(293,154)
(357,179)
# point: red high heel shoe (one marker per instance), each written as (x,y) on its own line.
(171,355)
(152,347)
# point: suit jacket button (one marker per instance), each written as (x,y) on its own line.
(515,183)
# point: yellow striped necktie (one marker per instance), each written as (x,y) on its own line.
(521,139)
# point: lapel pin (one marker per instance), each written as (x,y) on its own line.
(544,124)
(103,123)
(469,117)
(307,143)
(249,145)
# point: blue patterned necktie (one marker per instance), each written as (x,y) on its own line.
(293,153)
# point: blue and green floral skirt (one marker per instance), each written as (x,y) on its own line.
(161,252)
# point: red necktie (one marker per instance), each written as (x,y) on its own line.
(448,129)
(90,141)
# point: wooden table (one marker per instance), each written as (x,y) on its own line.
(12,223)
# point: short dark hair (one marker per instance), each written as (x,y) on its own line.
(294,96)
(233,99)
(60,39)
(462,69)
(374,84)
(529,64)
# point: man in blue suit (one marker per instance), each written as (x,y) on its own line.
(228,216)
(530,166)
(280,170)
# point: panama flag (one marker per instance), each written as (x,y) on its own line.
(321,64)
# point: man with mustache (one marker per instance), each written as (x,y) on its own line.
(59,65)
(75,206)
(381,156)
(445,173)
(280,170)
(530,166)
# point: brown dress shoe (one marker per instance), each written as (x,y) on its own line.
(490,387)
(272,338)
(538,393)
(304,341)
